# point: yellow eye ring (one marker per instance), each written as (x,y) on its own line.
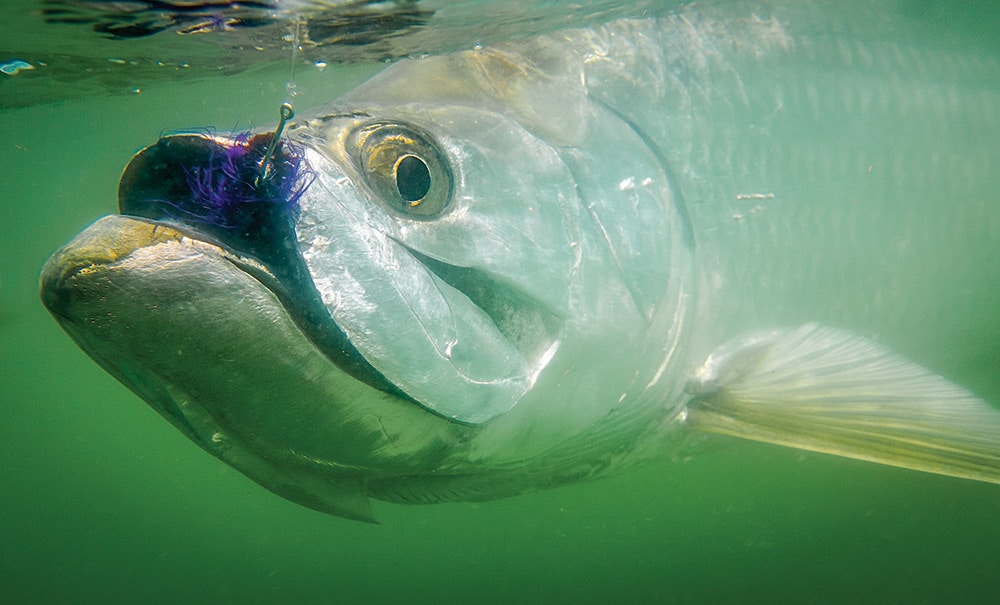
(404,168)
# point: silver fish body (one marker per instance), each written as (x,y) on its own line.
(536,262)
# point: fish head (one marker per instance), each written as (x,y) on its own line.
(412,282)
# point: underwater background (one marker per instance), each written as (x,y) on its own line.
(103,501)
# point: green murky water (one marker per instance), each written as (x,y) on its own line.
(103,501)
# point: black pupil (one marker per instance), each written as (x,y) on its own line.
(413,179)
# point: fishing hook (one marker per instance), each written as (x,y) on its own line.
(287,113)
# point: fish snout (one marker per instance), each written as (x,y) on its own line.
(72,276)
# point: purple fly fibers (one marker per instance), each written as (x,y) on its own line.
(228,192)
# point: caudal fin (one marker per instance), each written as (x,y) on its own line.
(827,390)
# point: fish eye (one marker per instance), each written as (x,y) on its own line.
(404,166)
(413,178)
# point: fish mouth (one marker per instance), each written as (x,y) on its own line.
(225,191)
(198,301)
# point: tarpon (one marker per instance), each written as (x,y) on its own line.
(540,261)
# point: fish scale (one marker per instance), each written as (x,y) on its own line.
(928,93)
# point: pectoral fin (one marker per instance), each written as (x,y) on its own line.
(827,390)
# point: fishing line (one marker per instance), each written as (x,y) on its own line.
(286,111)
(290,85)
